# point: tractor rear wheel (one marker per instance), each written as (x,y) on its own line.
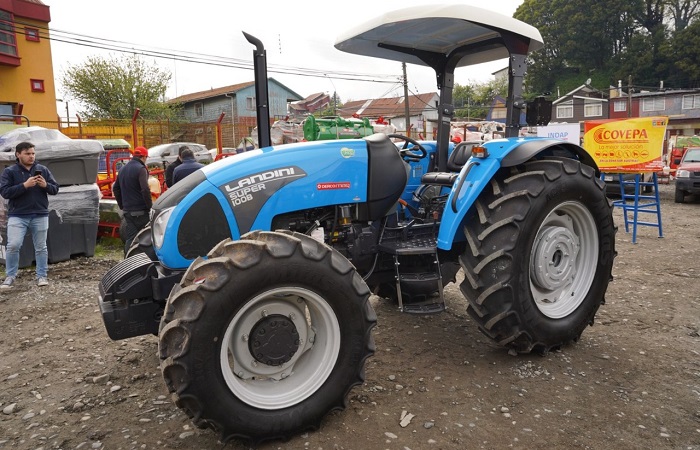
(541,244)
(266,336)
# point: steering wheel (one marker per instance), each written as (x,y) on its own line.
(409,153)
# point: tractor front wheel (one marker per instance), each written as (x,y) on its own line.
(265,337)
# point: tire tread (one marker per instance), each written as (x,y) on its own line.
(492,229)
(225,260)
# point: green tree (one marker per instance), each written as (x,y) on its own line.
(115,87)
(473,100)
(465,102)
(548,64)
(681,12)
(609,40)
(332,108)
(685,46)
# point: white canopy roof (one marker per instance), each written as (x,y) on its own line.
(438,29)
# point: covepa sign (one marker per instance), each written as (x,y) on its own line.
(630,145)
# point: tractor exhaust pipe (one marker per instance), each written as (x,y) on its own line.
(261,95)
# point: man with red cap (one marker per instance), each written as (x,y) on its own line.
(133,196)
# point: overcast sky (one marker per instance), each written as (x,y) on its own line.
(297,34)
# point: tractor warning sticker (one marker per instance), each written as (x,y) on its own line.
(328,186)
(247,195)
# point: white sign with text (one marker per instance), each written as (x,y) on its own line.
(565,131)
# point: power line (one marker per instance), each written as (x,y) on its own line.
(82,40)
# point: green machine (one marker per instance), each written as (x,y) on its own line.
(331,128)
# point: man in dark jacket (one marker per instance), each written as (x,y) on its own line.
(188,166)
(133,196)
(26,186)
(173,165)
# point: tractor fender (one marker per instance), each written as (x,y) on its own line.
(530,148)
(477,173)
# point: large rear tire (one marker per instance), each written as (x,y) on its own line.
(541,244)
(266,336)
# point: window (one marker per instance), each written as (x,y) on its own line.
(498,112)
(565,110)
(8,44)
(250,103)
(592,109)
(31,34)
(653,104)
(37,85)
(691,101)
(198,109)
(620,106)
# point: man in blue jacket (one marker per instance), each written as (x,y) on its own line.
(174,165)
(187,166)
(26,186)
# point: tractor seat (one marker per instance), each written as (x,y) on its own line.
(458,158)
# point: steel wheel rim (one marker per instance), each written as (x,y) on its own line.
(564,259)
(276,387)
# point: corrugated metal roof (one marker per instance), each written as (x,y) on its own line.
(214,92)
(389,107)
(297,107)
(313,97)
(217,92)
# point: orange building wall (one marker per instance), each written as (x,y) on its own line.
(15,86)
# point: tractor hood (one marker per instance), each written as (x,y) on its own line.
(245,192)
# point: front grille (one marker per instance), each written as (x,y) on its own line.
(118,272)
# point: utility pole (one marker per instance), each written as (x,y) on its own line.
(405,101)
(629,96)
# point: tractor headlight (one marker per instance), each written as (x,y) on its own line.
(158,226)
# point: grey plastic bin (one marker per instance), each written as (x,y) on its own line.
(73,218)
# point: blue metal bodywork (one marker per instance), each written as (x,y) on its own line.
(320,174)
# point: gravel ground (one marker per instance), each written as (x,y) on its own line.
(632,381)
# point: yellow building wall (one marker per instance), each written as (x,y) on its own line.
(15,86)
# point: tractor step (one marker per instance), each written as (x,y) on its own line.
(409,278)
(420,245)
(424,308)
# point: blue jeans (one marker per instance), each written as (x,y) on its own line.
(16,229)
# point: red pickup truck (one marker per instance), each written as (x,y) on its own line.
(688,174)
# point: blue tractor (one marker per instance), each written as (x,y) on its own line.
(256,271)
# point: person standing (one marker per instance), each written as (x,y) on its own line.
(187,166)
(27,185)
(173,165)
(133,196)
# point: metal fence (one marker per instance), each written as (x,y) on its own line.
(149,133)
(152,132)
